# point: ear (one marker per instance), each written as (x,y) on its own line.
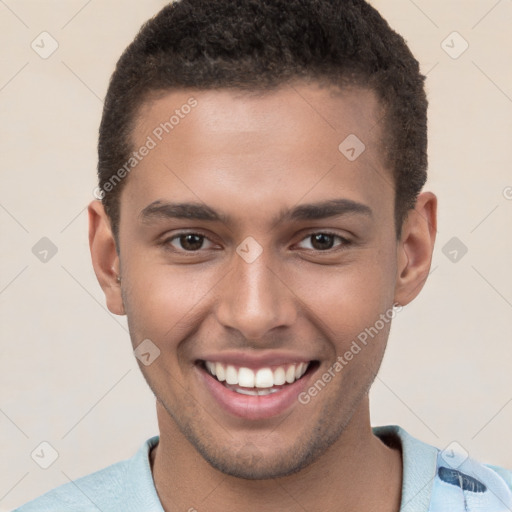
(415,247)
(105,259)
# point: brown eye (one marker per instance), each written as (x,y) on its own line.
(188,242)
(191,242)
(324,241)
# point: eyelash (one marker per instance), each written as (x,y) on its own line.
(166,243)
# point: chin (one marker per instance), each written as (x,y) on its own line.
(255,467)
(247,461)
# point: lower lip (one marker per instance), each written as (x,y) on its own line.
(253,407)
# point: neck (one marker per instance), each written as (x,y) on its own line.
(358,472)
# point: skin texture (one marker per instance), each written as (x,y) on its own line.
(250,157)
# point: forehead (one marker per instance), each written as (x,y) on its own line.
(260,148)
(295,110)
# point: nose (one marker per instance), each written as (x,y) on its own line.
(255,298)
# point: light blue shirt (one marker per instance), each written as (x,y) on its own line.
(433,481)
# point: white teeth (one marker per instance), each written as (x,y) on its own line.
(219,372)
(264,379)
(254,392)
(299,372)
(290,374)
(279,377)
(231,375)
(246,377)
(211,367)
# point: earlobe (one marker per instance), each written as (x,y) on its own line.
(105,259)
(415,248)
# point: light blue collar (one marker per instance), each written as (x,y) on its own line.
(419,468)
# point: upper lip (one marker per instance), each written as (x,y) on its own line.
(269,358)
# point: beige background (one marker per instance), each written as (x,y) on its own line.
(67,373)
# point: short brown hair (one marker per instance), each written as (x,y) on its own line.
(259,45)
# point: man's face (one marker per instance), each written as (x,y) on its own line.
(258,274)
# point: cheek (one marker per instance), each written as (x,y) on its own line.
(164,301)
(355,309)
(346,299)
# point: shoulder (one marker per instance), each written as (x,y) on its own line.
(109,488)
(465,481)
(505,474)
(84,492)
(437,480)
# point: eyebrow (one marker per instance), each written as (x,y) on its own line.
(161,210)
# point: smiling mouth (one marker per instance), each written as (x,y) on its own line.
(258,382)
